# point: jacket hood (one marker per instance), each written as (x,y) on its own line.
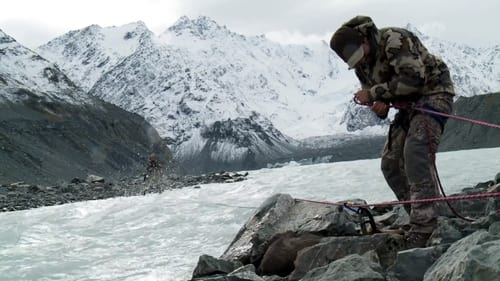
(367,28)
(363,24)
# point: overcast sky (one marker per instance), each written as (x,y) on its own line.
(35,22)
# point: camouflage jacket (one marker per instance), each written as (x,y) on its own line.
(401,67)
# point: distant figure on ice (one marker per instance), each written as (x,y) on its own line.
(152,166)
(394,67)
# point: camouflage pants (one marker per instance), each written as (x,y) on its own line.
(408,158)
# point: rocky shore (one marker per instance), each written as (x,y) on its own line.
(289,239)
(21,196)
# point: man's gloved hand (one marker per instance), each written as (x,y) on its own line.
(381,109)
(362,96)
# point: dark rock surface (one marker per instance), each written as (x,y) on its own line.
(21,196)
(464,135)
(456,250)
(46,142)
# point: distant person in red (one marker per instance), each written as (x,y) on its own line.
(153,165)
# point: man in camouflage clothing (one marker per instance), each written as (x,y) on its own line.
(394,67)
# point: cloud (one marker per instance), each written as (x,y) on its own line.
(31,33)
(36,22)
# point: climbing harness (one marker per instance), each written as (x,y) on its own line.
(366,220)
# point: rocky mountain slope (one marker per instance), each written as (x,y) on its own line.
(465,135)
(51,130)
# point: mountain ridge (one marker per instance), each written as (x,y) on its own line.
(52,131)
(198,73)
(198,76)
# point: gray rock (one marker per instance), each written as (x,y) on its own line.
(94,179)
(484,222)
(333,248)
(494,229)
(412,264)
(221,278)
(259,228)
(446,232)
(475,257)
(208,265)
(281,213)
(350,268)
(246,272)
(280,256)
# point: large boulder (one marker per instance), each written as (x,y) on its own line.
(330,249)
(280,256)
(411,264)
(281,213)
(475,257)
(350,268)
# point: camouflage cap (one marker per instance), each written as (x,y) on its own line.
(347,43)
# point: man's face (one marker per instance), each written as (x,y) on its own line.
(366,60)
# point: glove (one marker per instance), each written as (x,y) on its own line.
(381,109)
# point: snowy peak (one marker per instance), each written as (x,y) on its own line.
(24,73)
(472,72)
(202,28)
(112,34)
(475,71)
(88,53)
(417,32)
(5,38)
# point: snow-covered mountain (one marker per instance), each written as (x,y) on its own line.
(88,53)
(290,85)
(475,71)
(197,75)
(52,130)
(21,68)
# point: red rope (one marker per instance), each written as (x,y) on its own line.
(435,174)
(477,122)
(452,116)
(438,182)
(405,202)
